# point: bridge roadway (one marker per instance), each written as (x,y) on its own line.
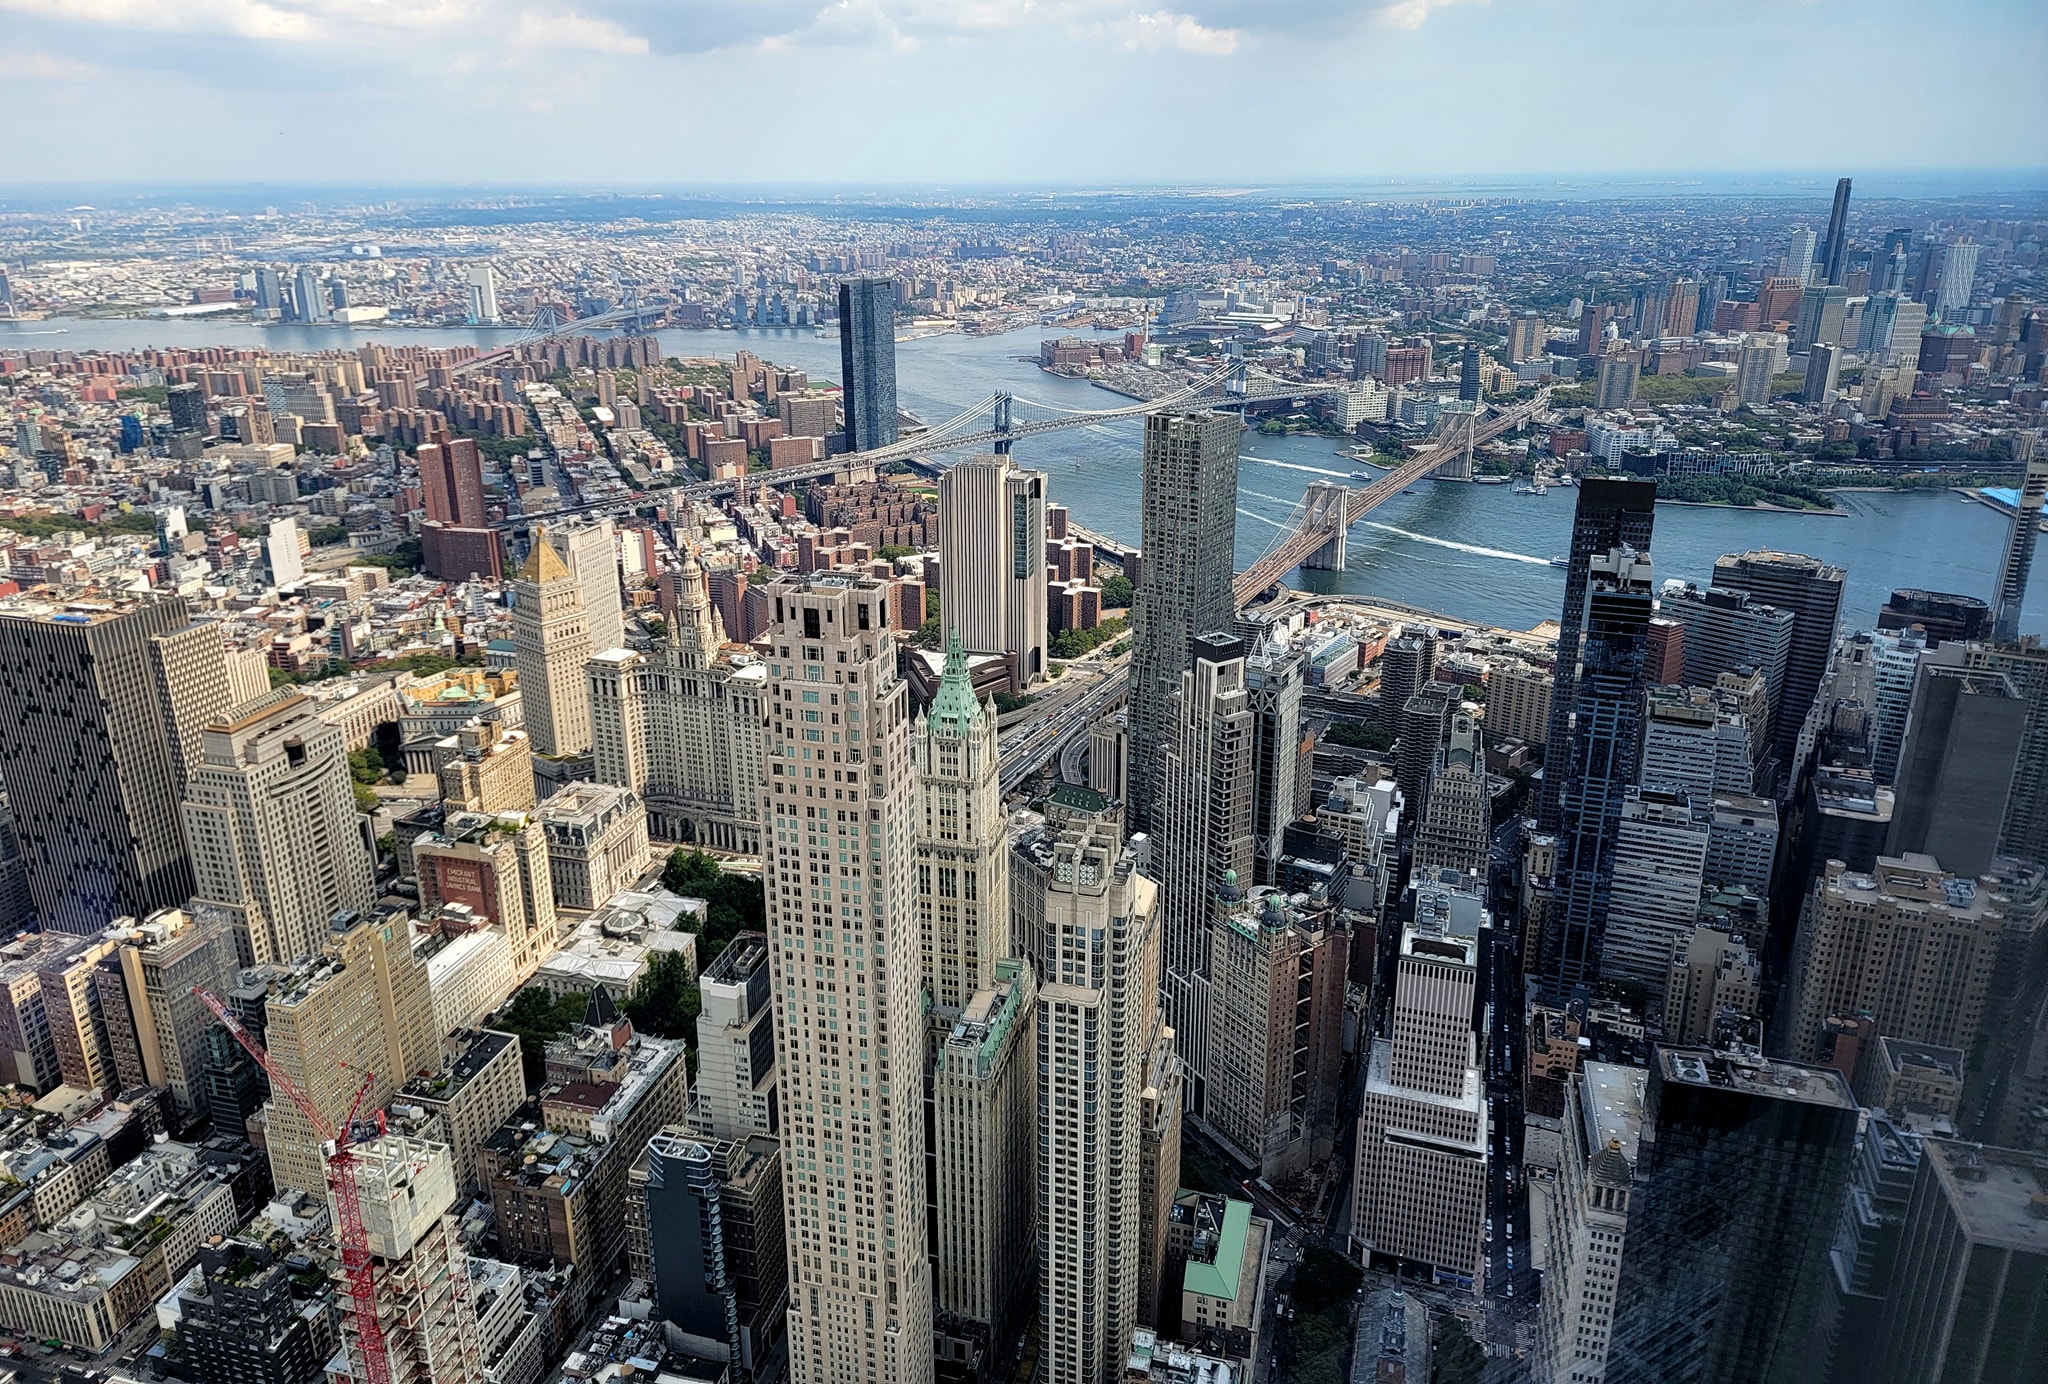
(1039,744)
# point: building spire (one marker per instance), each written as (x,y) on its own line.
(954,705)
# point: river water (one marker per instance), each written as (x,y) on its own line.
(1478,552)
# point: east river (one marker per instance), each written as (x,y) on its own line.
(1477,552)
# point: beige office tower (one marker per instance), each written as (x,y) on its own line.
(1712,974)
(1103,1053)
(551,639)
(500,867)
(277,843)
(1276,1027)
(962,855)
(363,1007)
(1456,831)
(1204,834)
(1420,1191)
(590,549)
(72,1006)
(1580,1220)
(1518,703)
(984,1129)
(1109,748)
(1908,944)
(992,562)
(847,984)
(1159,1125)
(490,769)
(680,724)
(193,687)
(735,1096)
(156,1026)
(419,1264)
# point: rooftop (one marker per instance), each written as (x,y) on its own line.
(1611,1107)
(1751,1072)
(1216,1276)
(473,1049)
(1999,1195)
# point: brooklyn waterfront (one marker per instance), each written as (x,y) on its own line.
(1477,552)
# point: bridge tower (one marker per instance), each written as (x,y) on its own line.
(1454,423)
(1002,424)
(1323,512)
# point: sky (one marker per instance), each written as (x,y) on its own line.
(1009,92)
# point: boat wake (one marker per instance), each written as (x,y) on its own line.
(1503,554)
(1297,466)
(1261,518)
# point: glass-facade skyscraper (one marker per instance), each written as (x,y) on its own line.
(867,362)
(1610,514)
(1604,749)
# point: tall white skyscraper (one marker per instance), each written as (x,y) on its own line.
(281,550)
(483,296)
(840,808)
(992,561)
(2018,563)
(1958,275)
(1798,261)
(1205,833)
(1585,1221)
(1660,857)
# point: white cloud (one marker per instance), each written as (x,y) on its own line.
(574,31)
(1165,29)
(47,67)
(1412,14)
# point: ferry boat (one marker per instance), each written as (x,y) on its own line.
(1364,475)
(1560,562)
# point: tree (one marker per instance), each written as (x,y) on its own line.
(365,765)
(733,901)
(537,1018)
(328,534)
(665,1002)
(1117,591)
(1358,735)
(1457,1358)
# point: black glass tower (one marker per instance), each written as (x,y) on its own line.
(1611,514)
(1833,253)
(1605,749)
(867,362)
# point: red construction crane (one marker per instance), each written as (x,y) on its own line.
(341,1181)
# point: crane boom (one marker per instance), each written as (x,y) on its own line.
(356,1261)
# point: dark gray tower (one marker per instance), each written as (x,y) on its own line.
(867,362)
(2018,562)
(1837,245)
(1955,768)
(1610,514)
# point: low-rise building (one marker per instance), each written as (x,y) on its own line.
(617,944)
(597,843)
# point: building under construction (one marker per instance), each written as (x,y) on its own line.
(421,1271)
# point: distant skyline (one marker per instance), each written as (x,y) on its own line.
(977,93)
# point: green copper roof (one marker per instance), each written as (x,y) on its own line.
(954,706)
(1219,1278)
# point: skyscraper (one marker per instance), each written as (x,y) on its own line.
(452,479)
(1106,1061)
(992,562)
(735,1095)
(1958,276)
(1743,1167)
(1812,591)
(1798,261)
(1834,251)
(552,641)
(1727,631)
(1204,834)
(1189,530)
(848,978)
(1602,742)
(2017,564)
(1908,943)
(1823,370)
(963,881)
(106,699)
(483,296)
(1753,372)
(867,362)
(278,847)
(1419,1191)
(2025,833)
(1610,514)
(590,548)
(1468,373)
(1273,682)
(307,299)
(419,1264)
(1586,1221)
(1660,856)
(1822,311)
(1964,1305)
(1615,385)
(1955,767)
(1457,824)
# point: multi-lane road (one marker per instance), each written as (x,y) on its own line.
(1058,727)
